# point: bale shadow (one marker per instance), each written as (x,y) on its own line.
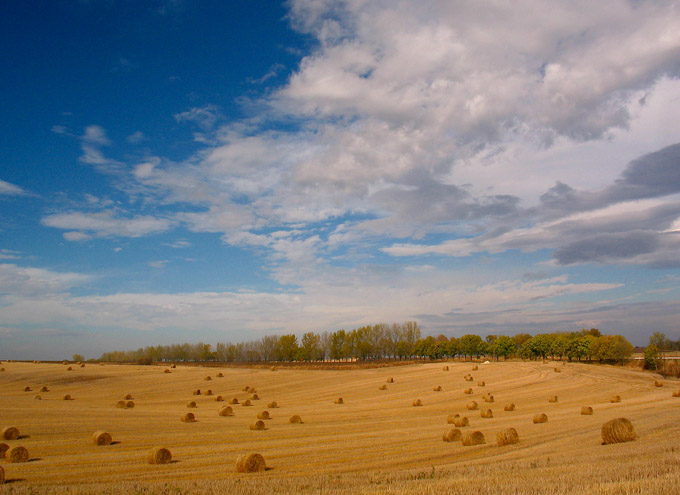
(22,437)
(14,480)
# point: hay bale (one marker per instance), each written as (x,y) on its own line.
(188,418)
(3,449)
(475,368)
(273,405)
(615,398)
(469,379)
(461,422)
(263,415)
(128,397)
(617,431)
(510,406)
(540,418)
(382,387)
(220,375)
(197,392)
(257,425)
(452,435)
(472,406)
(339,401)
(167,371)
(247,403)
(44,389)
(250,463)
(129,405)
(657,383)
(255,397)
(69,369)
(67,397)
(557,370)
(438,388)
(295,419)
(489,398)
(191,404)
(473,438)
(507,437)
(173,366)
(273,368)
(17,454)
(159,456)
(82,365)
(467,391)
(120,404)
(2,474)
(102,438)
(207,378)
(37,397)
(390,380)
(233,401)
(246,388)
(219,398)
(9,433)
(208,392)
(225,411)
(486,413)
(446,368)
(481,384)
(586,411)
(553,398)
(451,418)
(27,389)
(417,403)
(676,393)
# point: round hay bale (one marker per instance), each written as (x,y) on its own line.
(586,411)
(257,425)
(128,397)
(382,387)
(255,397)
(507,437)
(191,404)
(339,401)
(295,419)
(17,454)
(225,411)
(27,389)
(273,368)
(553,398)
(481,384)
(540,418)
(676,393)
(82,365)
(207,378)
(472,406)
(390,380)
(272,405)
(44,389)
(233,401)
(2,474)
(250,463)
(129,405)
(67,397)
(188,418)
(3,449)
(9,433)
(467,391)
(246,388)
(469,378)
(197,392)
(510,406)
(220,375)
(657,383)
(173,366)
(486,413)
(263,415)
(219,398)
(102,438)
(208,392)
(451,418)
(417,403)
(473,438)
(247,403)
(452,435)
(37,397)
(489,398)
(461,421)
(159,456)
(167,371)
(69,369)
(475,368)
(120,404)
(615,398)
(438,388)
(557,370)
(617,431)
(446,368)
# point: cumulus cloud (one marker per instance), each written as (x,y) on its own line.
(11,189)
(106,223)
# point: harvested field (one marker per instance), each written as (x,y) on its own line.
(385,447)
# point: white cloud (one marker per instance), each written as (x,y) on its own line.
(11,189)
(136,137)
(106,223)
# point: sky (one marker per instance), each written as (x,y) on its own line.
(184,171)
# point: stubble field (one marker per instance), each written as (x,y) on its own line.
(376,442)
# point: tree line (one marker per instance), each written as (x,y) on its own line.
(390,341)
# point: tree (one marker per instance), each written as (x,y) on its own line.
(469,345)
(651,357)
(659,340)
(78,357)
(503,346)
(311,347)
(287,348)
(337,344)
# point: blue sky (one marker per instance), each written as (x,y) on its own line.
(219,171)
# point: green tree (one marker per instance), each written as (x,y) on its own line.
(287,348)
(78,357)
(469,345)
(651,357)
(504,347)
(337,344)
(310,350)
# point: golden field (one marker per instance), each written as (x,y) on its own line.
(375,442)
